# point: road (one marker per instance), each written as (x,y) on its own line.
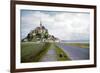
(50,55)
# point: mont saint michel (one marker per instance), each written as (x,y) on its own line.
(40,34)
(49,36)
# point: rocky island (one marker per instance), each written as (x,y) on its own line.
(40,34)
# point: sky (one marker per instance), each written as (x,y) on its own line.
(62,24)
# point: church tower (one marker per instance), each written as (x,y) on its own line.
(40,25)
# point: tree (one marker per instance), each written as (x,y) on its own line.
(29,37)
(46,34)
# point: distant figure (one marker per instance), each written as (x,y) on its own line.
(61,55)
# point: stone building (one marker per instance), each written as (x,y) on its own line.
(40,34)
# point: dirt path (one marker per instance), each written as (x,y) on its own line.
(50,55)
(54,53)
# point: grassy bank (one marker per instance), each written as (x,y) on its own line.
(61,55)
(32,52)
(43,52)
(81,45)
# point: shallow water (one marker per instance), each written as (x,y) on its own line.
(75,53)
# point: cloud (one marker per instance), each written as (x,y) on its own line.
(64,25)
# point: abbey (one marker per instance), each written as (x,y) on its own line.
(40,34)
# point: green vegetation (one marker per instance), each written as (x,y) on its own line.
(32,52)
(61,55)
(29,50)
(42,53)
(81,45)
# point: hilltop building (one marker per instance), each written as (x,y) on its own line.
(40,34)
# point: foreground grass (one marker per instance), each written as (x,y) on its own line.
(61,55)
(81,45)
(43,52)
(29,50)
(32,52)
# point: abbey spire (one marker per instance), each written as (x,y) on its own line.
(40,25)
